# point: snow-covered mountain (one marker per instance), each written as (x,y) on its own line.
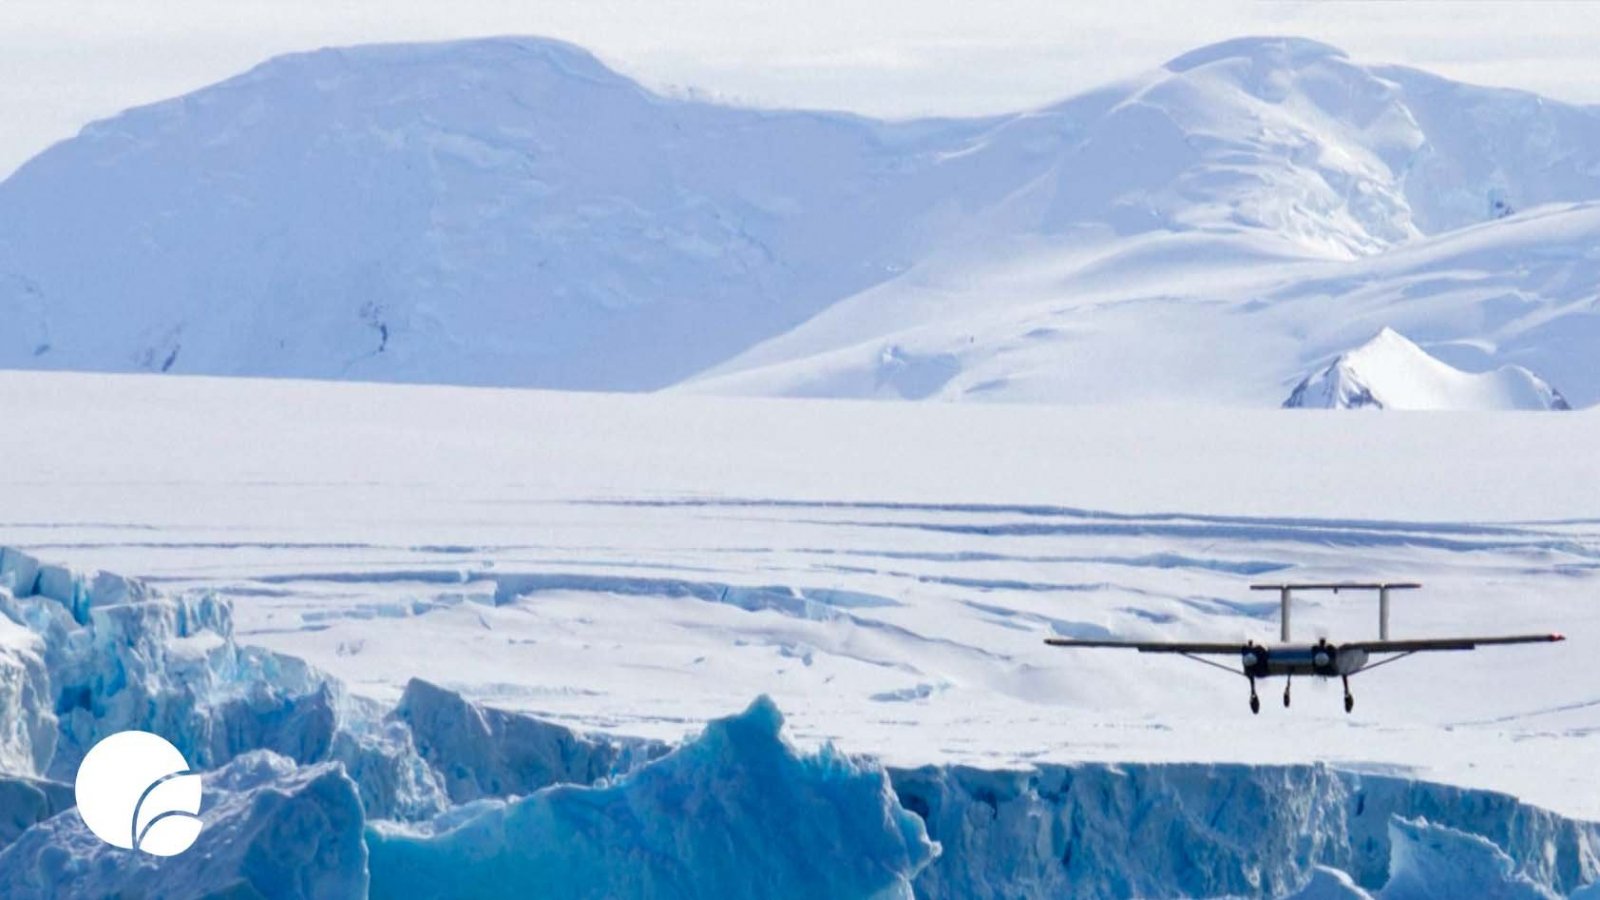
(512,212)
(1186,317)
(1391,372)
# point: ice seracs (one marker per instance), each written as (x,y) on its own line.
(1391,372)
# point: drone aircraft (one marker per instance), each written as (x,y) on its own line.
(1321,659)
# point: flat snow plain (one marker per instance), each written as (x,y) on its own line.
(887,572)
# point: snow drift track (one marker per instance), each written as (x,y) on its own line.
(313,793)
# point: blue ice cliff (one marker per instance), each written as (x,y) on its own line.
(1214,830)
(733,813)
(313,793)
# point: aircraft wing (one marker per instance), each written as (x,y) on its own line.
(1151,646)
(1450,643)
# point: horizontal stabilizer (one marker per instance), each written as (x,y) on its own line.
(1337,586)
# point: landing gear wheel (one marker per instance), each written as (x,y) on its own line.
(1349,700)
(1286,694)
(1255,702)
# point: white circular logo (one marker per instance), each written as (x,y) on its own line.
(135,791)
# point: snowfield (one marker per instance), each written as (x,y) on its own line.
(887,574)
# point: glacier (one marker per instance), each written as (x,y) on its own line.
(313,793)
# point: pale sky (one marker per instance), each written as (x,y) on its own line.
(64,63)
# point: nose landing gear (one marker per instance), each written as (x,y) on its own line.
(1286,693)
(1255,702)
(1349,699)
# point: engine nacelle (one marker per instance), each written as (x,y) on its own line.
(1257,661)
(1326,659)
